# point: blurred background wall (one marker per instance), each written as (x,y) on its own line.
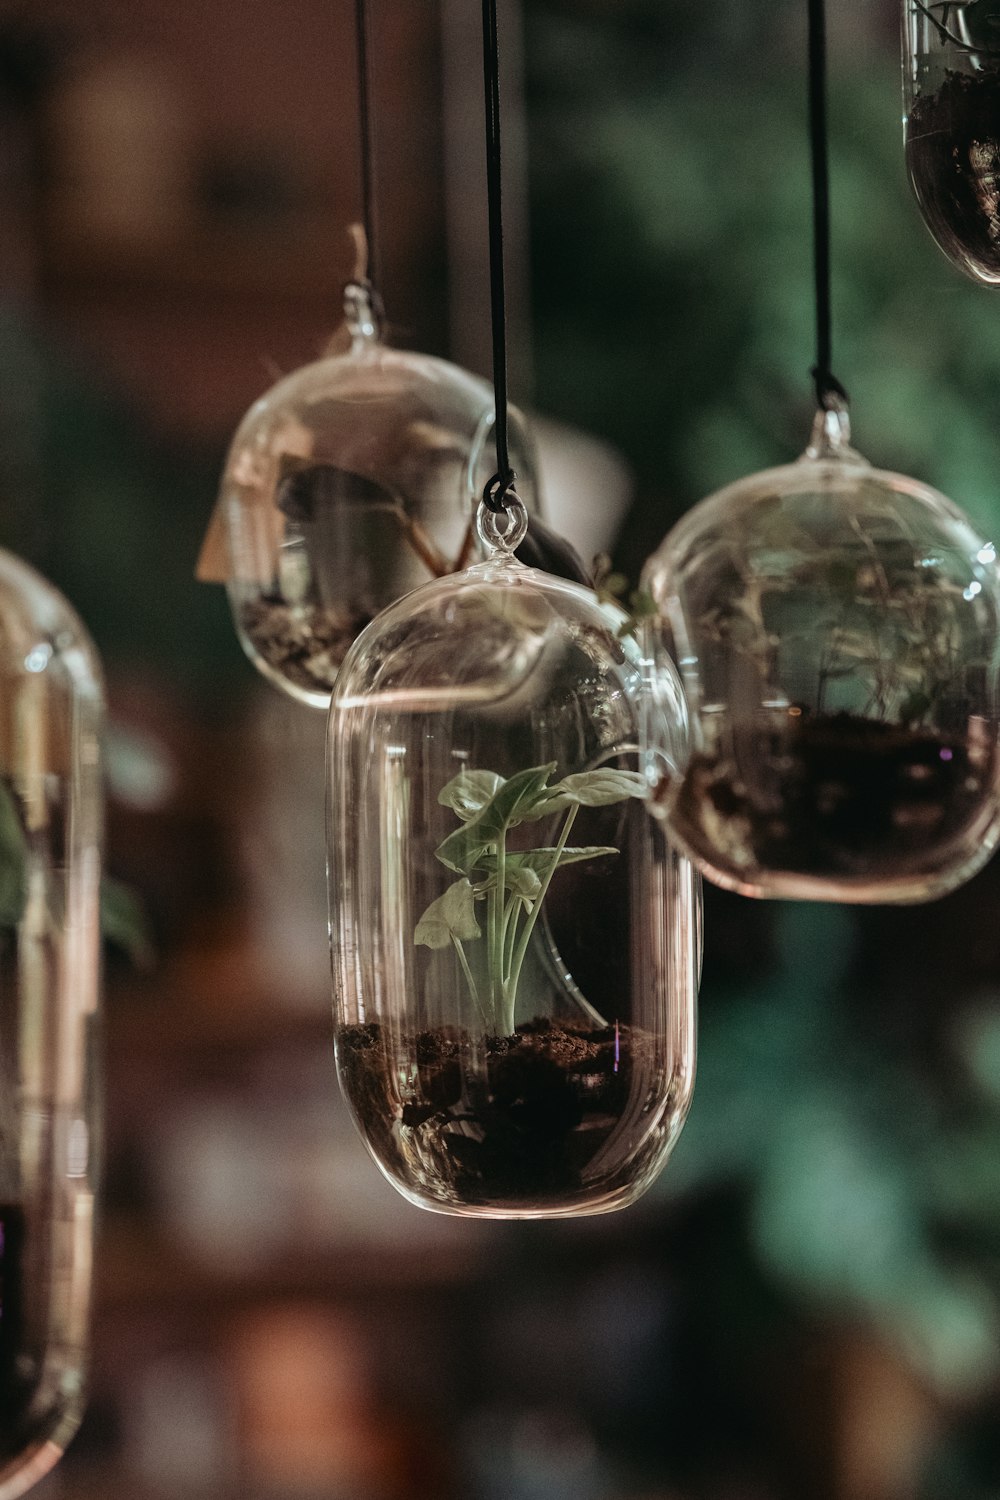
(807,1305)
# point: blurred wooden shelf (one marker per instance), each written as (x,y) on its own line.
(155,1027)
(302,258)
(214,995)
(137,1270)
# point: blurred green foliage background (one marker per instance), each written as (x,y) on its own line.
(848,1103)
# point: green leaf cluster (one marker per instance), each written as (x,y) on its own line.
(675,316)
(512,884)
(867,1190)
(13,852)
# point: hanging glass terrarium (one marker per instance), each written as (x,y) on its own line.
(838,631)
(50,834)
(515,944)
(353,480)
(349,483)
(951,89)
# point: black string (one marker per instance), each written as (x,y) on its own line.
(367,130)
(829,391)
(501,485)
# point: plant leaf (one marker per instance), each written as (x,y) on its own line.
(469,792)
(124,923)
(13,856)
(518,876)
(540,860)
(523,871)
(511,803)
(591,789)
(452,915)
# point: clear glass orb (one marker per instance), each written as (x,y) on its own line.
(951,111)
(50,870)
(837,629)
(352,481)
(515,943)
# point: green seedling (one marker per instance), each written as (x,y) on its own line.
(512,883)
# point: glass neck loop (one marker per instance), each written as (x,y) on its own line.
(362,314)
(831,434)
(502,532)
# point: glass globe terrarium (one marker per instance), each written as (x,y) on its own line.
(837,632)
(951,101)
(50,833)
(515,944)
(352,481)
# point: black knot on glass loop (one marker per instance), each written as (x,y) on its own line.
(830,394)
(498,490)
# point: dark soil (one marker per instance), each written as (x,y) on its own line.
(953,156)
(833,795)
(520,1131)
(303,643)
(15,1392)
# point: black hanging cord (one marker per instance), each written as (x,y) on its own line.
(502,483)
(367,131)
(829,391)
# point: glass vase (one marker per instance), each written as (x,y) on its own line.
(50,870)
(837,629)
(352,481)
(515,943)
(951,110)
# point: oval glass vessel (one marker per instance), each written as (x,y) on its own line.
(351,482)
(837,629)
(951,111)
(515,944)
(50,870)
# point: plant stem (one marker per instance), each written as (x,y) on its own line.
(501,898)
(467,548)
(470,981)
(494,953)
(509,934)
(522,946)
(434,561)
(507,954)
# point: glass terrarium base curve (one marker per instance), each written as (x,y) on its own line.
(786,885)
(523,1134)
(41,1387)
(951,113)
(24,1473)
(839,808)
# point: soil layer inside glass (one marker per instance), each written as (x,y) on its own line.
(303,643)
(832,795)
(521,1127)
(15,1391)
(953,157)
